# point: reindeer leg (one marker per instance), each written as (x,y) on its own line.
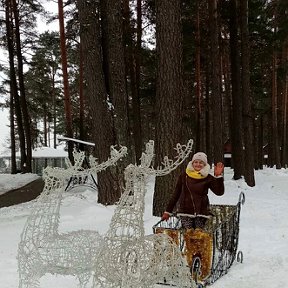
(83,279)
(28,270)
(28,280)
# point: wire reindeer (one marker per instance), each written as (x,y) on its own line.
(42,249)
(129,258)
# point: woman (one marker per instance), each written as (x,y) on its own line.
(191,192)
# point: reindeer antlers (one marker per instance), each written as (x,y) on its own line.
(168,165)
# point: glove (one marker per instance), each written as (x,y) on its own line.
(218,169)
(165,216)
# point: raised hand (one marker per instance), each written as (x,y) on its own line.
(165,216)
(218,169)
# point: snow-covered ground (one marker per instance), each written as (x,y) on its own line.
(10,182)
(263,229)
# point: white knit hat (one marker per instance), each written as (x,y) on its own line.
(200,156)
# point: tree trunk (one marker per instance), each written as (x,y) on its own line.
(137,130)
(109,189)
(284,90)
(209,123)
(285,130)
(248,123)
(200,144)
(113,45)
(53,92)
(285,106)
(261,142)
(67,100)
(45,124)
(169,94)
(81,100)
(275,143)
(13,82)
(237,126)
(12,135)
(216,99)
(132,56)
(227,103)
(24,108)
(129,52)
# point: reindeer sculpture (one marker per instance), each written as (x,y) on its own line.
(128,258)
(42,248)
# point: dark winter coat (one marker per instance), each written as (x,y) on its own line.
(192,194)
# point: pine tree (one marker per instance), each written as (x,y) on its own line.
(169,93)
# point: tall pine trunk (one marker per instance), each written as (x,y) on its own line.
(109,189)
(15,101)
(81,99)
(275,149)
(136,101)
(114,72)
(237,123)
(284,92)
(248,123)
(275,141)
(24,107)
(12,134)
(53,92)
(169,94)
(67,100)
(216,98)
(132,56)
(200,132)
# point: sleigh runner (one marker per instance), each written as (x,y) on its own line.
(210,252)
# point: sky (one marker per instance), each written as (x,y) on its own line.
(4,129)
(263,224)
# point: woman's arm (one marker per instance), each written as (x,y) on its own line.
(217,185)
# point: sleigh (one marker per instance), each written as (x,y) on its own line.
(211,251)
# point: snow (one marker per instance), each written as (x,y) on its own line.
(41,152)
(4,129)
(263,228)
(46,152)
(76,141)
(9,182)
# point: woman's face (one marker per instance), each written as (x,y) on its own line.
(198,165)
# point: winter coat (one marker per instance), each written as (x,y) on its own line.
(191,195)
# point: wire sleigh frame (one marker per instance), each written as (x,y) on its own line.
(209,252)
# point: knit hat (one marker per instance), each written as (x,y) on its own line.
(200,156)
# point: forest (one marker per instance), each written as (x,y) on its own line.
(122,72)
